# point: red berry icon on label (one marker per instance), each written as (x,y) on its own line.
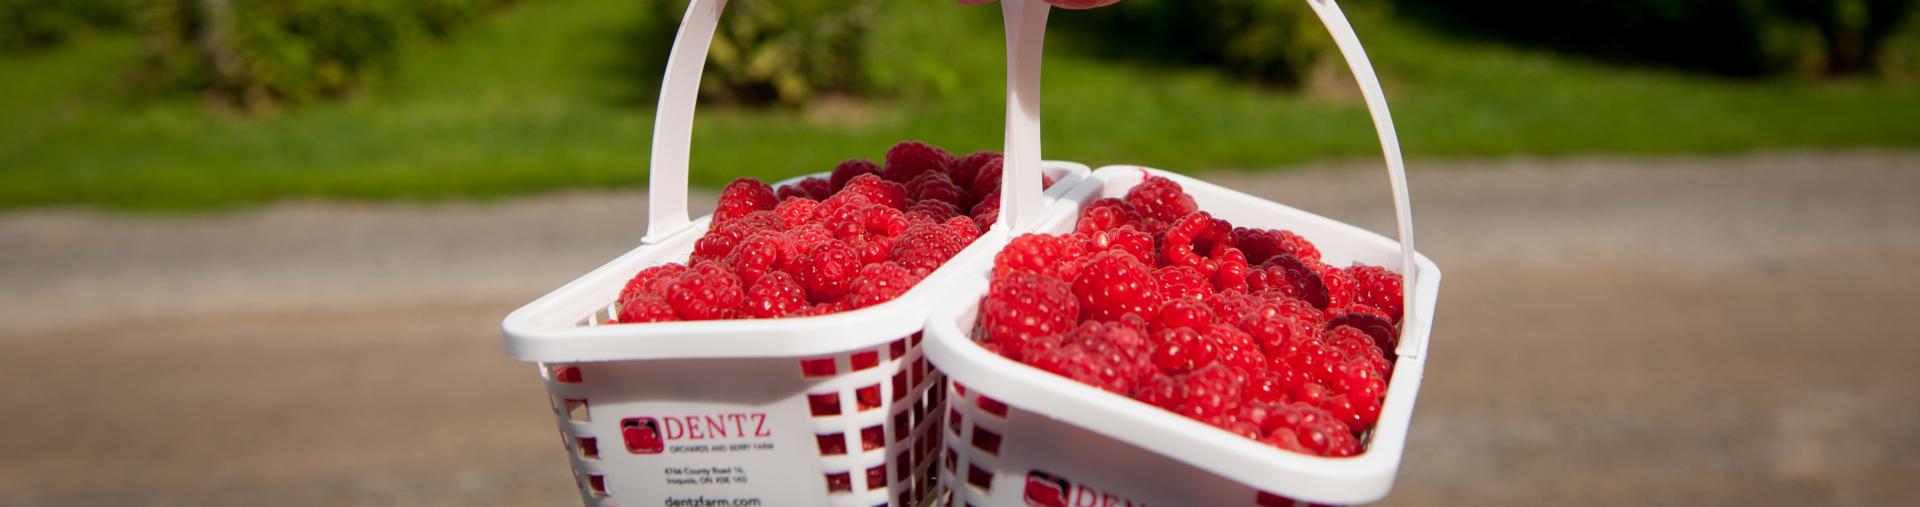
(1045,490)
(642,435)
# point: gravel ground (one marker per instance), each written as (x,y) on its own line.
(1674,331)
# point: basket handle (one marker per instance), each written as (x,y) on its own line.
(673,123)
(1027,19)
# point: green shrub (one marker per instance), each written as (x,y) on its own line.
(778,51)
(1275,42)
(34,24)
(261,52)
(1742,37)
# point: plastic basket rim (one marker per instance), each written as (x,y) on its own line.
(1365,477)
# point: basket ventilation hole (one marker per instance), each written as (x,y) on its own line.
(986,441)
(979,478)
(817,367)
(992,406)
(840,482)
(824,404)
(566,374)
(864,360)
(953,420)
(903,470)
(576,409)
(873,437)
(899,385)
(952,459)
(833,445)
(868,397)
(589,447)
(597,485)
(902,425)
(877,477)
(897,349)
(1266,499)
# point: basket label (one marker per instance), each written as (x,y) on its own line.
(1048,490)
(690,434)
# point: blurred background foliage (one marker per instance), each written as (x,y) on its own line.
(210,103)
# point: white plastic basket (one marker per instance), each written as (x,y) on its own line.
(1024,436)
(826,410)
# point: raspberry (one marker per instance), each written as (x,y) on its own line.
(1181,350)
(1376,287)
(1113,284)
(986,211)
(879,191)
(935,186)
(1187,313)
(796,211)
(1231,275)
(1177,282)
(799,240)
(910,158)
(757,255)
(1098,354)
(968,167)
(1160,198)
(923,248)
(811,187)
(1124,239)
(1288,275)
(1198,241)
(650,282)
(721,236)
(1263,244)
(933,211)
(1206,393)
(874,249)
(1021,307)
(845,171)
(965,227)
(1106,214)
(1276,325)
(987,179)
(1374,326)
(1342,289)
(743,196)
(880,282)
(645,308)
(854,222)
(1232,306)
(1043,254)
(775,295)
(1311,429)
(707,291)
(827,269)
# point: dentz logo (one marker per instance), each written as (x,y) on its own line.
(647,435)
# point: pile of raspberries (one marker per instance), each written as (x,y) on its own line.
(1244,329)
(860,237)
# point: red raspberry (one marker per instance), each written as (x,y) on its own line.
(721,236)
(757,255)
(707,291)
(965,170)
(986,180)
(743,196)
(1313,429)
(1124,239)
(1379,328)
(935,186)
(1187,313)
(1207,393)
(1022,307)
(1376,287)
(1177,282)
(827,308)
(874,249)
(965,228)
(923,248)
(775,295)
(646,308)
(1239,353)
(650,282)
(1231,275)
(1106,214)
(876,190)
(910,158)
(1181,350)
(796,211)
(846,171)
(827,269)
(1232,306)
(1199,241)
(854,222)
(799,240)
(880,282)
(1288,275)
(1113,284)
(933,211)
(986,211)
(1276,326)
(1263,244)
(1055,256)
(1342,289)
(1160,198)
(1097,354)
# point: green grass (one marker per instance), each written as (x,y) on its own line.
(536,98)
